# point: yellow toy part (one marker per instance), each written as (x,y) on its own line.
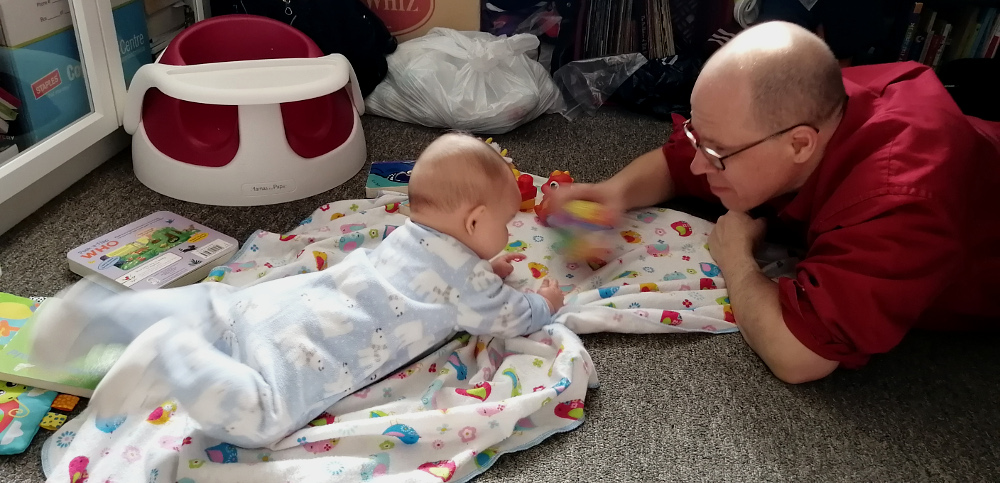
(52,421)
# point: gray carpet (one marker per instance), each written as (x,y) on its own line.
(671,407)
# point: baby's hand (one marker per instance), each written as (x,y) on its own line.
(552,293)
(501,265)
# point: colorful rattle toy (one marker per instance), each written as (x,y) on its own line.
(582,227)
(556,179)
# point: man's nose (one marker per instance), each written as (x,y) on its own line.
(700,164)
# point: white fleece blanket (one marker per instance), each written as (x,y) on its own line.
(448,416)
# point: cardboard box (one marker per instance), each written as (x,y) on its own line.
(409,19)
(165,20)
(157,5)
(46,76)
(48,79)
(25,21)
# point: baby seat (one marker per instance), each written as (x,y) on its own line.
(242,110)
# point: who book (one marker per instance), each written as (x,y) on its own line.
(162,250)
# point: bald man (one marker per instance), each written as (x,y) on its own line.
(874,169)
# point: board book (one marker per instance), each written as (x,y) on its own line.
(162,250)
(79,378)
(391,176)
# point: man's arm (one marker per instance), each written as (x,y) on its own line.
(755,303)
(857,293)
(646,181)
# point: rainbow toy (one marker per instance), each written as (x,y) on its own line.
(582,227)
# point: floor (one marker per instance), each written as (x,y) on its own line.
(671,407)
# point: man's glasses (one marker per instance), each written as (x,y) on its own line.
(715,158)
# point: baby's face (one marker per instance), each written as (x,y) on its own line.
(492,235)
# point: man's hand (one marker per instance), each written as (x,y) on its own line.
(502,266)
(552,293)
(602,193)
(756,304)
(734,239)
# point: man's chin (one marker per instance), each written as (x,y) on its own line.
(734,204)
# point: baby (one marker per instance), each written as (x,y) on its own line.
(253,364)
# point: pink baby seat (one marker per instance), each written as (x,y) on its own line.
(245,110)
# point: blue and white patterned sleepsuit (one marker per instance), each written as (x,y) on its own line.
(253,364)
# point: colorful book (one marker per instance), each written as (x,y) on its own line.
(992,42)
(904,51)
(162,250)
(942,45)
(928,37)
(968,28)
(982,41)
(388,176)
(8,99)
(79,378)
(982,24)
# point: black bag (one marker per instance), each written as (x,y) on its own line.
(661,87)
(344,27)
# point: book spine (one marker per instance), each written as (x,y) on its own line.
(928,36)
(965,50)
(991,49)
(640,7)
(918,46)
(9,100)
(984,36)
(941,46)
(994,42)
(904,51)
(933,47)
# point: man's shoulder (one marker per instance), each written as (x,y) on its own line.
(878,77)
(898,149)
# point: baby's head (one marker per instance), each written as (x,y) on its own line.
(460,186)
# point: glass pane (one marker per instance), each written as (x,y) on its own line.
(42,84)
(133,35)
(166,19)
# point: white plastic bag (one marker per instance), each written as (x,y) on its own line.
(472,81)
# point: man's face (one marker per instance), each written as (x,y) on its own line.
(721,121)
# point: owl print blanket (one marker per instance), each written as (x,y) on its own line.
(449,415)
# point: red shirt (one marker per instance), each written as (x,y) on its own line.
(901,218)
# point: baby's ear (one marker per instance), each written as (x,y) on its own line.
(474,217)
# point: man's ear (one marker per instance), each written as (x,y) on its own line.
(805,141)
(474,217)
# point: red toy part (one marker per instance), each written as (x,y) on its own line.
(528,192)
(556,179)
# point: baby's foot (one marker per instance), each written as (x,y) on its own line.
(134,381)
(66,327)
(54,331)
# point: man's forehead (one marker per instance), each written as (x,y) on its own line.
(719,107)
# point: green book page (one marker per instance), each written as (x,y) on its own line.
(14,312)
(84,373)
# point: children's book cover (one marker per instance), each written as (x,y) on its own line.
(159,251)
(79,378)
(388,176)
